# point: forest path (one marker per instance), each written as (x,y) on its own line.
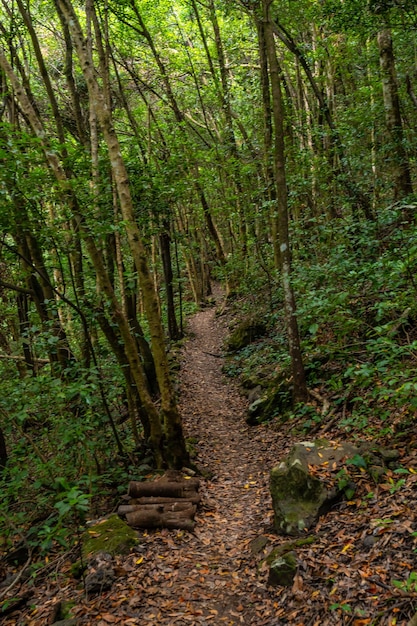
(210,576)
(172,577)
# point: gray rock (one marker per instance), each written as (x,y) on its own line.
(377,472)
(99,581)
(369,541)
(389,455)
(319,452)
(282,570)
(254,394)
(255,411)
(247,331)
(298,497)
(258,544)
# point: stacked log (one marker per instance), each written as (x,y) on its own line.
(170,502)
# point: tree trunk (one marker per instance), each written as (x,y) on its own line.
(270,190)
(176,453)
(165,244)
(169,502)
(182,520)
(3,451)
(399,160)
(300,389)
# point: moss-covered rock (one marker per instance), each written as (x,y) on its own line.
(256,411)
(278,401)
(297,497)
(111,535)
(245,333)
(282,570)
(289,546)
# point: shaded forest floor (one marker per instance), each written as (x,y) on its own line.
(215,575)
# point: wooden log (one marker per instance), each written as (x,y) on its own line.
(195,498)
(153,519)
(158,507)
(162,488)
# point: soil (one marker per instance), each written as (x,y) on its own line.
(215,575)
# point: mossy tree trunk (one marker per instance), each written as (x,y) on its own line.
(175,451)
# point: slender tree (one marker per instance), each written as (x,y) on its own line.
(278,151)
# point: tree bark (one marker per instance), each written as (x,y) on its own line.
(165,244)
(131,351)
(399,161)
(175,450)
(3,451)
(298,375)
(183,489)
(182,520)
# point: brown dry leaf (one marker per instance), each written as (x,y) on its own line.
(108,618)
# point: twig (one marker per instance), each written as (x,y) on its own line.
(17,577)
(218,356)
(413,620)
(14,357)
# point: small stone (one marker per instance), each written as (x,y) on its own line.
(254,394)
(100,560)
(99,581)
(369,541)
(376,472)
(258,544)
(389,455)
(282,570)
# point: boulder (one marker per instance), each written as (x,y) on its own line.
(298,497)
(111,535)
(100,580)
(247,331)
(271,402)
(255,411)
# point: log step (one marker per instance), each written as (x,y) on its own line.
(169,502)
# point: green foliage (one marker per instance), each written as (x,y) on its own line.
(354,279)
(356,292)
(358,461)
(346,608)
(62,461)
(345,483)
(358,315)
(409,585)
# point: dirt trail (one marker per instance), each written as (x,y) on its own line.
(210,576)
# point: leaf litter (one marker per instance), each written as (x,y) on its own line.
(354,573)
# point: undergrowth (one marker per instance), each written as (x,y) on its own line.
(62,464)
(356,292)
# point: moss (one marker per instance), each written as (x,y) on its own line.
(282,570)
(247,331)
(112,535)
(297,497)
